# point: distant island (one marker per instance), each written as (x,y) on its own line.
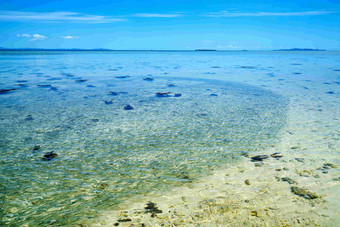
(78,49)
(42,49)
(300,49)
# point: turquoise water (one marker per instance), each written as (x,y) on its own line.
(75,104)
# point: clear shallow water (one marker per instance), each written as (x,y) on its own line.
(107,154)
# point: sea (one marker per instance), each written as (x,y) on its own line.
(83,132)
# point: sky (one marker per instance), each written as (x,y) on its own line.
(170,24)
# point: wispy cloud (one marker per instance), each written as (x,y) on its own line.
(69,37)
(34,37)
(56,17)
(264,14)
(24,35)
(155,15)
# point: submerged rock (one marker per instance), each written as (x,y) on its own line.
(259,158)
(54,89)
(276,155)
(247,67)
(336,179)
(109,102)
(152,208)
(124,220)
(213,95)
(80,80)
(128,107)
(29,118)
(329,165)
(171,85)
(178,95)
(244,154)
(163,94)
(122,77)
(102,186)
(44,85)
(113,93)
(23,85)
(55,78)
(289,180)
(303,193)
(300,159)
(5,91)
(258,164)
(49,156)
(36,147)
(148,79)
(304,173)
(255,213)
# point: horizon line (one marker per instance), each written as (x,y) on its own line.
(197,50)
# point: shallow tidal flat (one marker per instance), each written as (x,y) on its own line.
(298,189)
(170,140)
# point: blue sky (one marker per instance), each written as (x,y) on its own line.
(170,24)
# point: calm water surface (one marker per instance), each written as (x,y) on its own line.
(115,138)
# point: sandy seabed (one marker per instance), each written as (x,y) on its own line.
(254,193)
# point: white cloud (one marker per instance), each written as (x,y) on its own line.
(69,37)
(154,15)
(37,37)
(262,14)
(56,17)
(23,35)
